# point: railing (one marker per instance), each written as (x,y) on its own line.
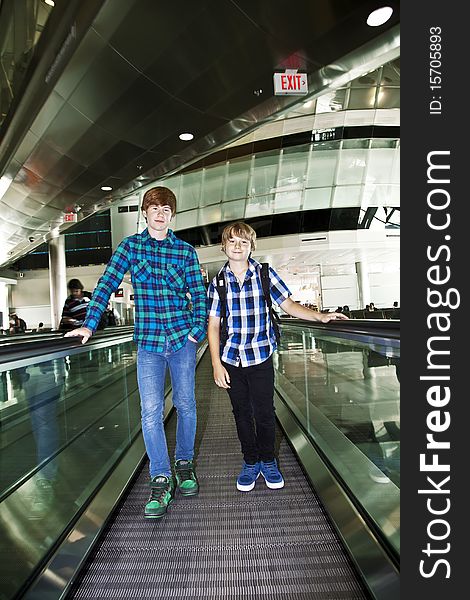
(342,382)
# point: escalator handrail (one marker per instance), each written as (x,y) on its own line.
(26,349)
(385,329)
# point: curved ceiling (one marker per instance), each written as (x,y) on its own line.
(119,90)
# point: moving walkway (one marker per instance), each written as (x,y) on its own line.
(74,477)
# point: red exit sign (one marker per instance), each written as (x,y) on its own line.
(70,218)
(290,83)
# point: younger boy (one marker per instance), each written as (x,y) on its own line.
(243,365)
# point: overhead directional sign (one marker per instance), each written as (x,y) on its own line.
(290,83)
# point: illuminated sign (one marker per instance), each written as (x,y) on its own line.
(70,217)
(324,135)
(290,83)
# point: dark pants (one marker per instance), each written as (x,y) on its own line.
(251,392)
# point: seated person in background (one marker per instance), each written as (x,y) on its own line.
(367,308)
(74,311)
(339,309)
(371,306)
(17,325)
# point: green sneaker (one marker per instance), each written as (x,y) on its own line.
(186,479)
(162,491)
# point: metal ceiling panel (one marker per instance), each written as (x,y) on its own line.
(143,71)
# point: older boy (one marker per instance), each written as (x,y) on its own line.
(163,270)
(243,364)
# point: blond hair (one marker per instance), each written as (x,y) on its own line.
(240,229)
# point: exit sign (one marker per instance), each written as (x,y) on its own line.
(290,83)
(70,218)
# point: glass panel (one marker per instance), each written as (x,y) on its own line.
(381,195)
(322,167)
(65,424)
(346,395)
(367,80)
(351,166)
(209,214)
(214,181)
(362,98)
(264,173)
(185,220)
(260,205)
(190,190)
(391,73)
(388,97)
(293,168)
(347,195)
(331,101)
(380,165)
(233,210)
(287,201)
(173,183)
(317,198)
(237,180)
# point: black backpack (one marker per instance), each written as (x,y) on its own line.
(222,291)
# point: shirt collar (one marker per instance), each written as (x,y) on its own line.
(170,237)
(252,268)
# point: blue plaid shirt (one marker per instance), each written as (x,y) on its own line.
(162,272)
(251,338)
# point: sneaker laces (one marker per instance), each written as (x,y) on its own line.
(250,468)
(270,467)
(184,469)
(159,486)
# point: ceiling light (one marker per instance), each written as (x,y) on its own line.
(379,16)
(106,188)
(50,2)
(186,137)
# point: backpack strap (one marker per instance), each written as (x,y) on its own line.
(266,285)
(221,288)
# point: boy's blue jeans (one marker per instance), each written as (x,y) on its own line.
(151,370)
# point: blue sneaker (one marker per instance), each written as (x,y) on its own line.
(248,476)
(272,475)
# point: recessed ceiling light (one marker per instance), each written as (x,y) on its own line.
(379,16)
(50,2)
(106,188)
(186,137)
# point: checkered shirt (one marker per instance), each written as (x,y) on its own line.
(162,273)
(251,338)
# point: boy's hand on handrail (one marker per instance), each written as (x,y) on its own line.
(327,317)
(84,332)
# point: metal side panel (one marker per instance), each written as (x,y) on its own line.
(377,569)
(274,544)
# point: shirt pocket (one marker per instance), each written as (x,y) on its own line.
(142,271)
(175,278)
